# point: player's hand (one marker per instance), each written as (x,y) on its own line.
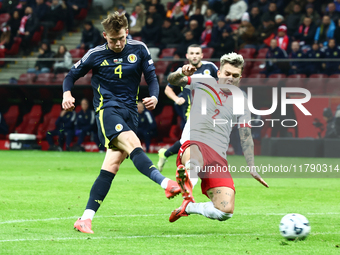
(68,101)
(188,70)
(258,178)
(180,101)
(150,102)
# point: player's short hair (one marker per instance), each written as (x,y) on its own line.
(194,46)
(115,22)
(233,59)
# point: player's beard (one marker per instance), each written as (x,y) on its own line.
(195,63)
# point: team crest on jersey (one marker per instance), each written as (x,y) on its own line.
(206,71)
(119,127)
(132,58)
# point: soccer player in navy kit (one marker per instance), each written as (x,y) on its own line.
(194,56)
(117,67)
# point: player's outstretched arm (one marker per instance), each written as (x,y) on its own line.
(180,77)
(247,144)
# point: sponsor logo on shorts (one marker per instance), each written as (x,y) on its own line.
(132,58)
(150,62)
(119,127)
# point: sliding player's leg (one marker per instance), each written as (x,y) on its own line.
(129,142)
(221,206)
(100,188)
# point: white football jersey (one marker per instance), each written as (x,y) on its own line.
(214,127)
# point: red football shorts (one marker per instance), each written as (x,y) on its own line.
(215,168)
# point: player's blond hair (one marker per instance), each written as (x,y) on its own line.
(233,59)
(115,22)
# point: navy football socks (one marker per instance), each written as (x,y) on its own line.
(173,149)
(100,189)
(145,165)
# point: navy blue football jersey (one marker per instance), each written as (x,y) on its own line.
(116,76)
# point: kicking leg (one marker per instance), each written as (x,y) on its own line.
(100,188)
(129,142)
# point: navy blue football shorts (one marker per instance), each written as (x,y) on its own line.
(112,121)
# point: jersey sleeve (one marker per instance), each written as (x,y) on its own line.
(214,70)
(147,62)
(79,69)
(243,120)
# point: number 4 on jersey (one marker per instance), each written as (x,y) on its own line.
(118,70)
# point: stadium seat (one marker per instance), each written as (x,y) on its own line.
(297,76)
(77,54)
(59,26)
(316,86)
(26,78)
(257,75)
(318,75)
(247,53)
(30,122)
(11,118)
(262,53)
(59,79)
(207,52)
(2,55)
(337,76)
(218,64)
(167,53)
(295,82)
(36,38)
(49,121)
(256,70)
(164,121)
(4,17)
(44,79)
(14,50)
(333,87)
(82,14)
(161,67)
(277,76)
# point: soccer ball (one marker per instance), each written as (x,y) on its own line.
(294,226)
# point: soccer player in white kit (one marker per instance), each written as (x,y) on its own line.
(204,143)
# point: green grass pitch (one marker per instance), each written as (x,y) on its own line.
(42,194)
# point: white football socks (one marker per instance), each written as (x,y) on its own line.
(208,210)
(193,168)
(88,214)
(164,183)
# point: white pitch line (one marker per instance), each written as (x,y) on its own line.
(88,237)
(153,215)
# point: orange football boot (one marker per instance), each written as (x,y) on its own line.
(83,226)
(182,178)
(180,212)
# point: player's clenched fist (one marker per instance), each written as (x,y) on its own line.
(188,70)
(68,101)
(150,102)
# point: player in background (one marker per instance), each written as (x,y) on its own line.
(117,67)
(205,145)
(194,56)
